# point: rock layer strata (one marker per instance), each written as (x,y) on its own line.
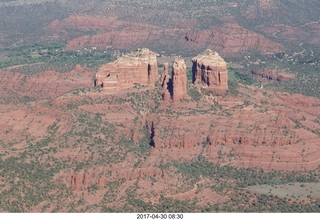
(136,67)
(273,75)
(211,69)
(165,80)
(179,79)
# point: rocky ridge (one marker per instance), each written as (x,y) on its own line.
(272,75)
(229,39)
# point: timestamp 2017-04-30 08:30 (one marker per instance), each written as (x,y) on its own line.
(159,216)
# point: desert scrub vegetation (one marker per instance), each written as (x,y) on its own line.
(26,19)
(239,202)
(140,100)
(304,65)
(193,92)
(242,177)
(232,83)
(165,205)
(29,183)
(39,57)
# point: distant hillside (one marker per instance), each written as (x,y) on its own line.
(170,26)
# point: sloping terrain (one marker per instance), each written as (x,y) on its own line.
(229,27)
(88,150)
(67,146)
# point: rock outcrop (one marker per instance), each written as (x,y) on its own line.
(179,79)
(273,75)
(135,67)
(17,87)
(211,69)
(98,177)
(165,80)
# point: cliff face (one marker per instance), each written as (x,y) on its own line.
(18,85)
(211,69)
(179,79)
(86,178)
(136,67)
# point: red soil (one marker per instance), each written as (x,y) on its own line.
(257,128)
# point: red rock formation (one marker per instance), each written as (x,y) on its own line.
(179,79)
(164,80)
(273,75)
(211,69)
(257,138)
(136,67)
(297,100)
(164,73)
(229,38)
(97,176)
(44,85)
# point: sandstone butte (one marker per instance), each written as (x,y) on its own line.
(141,67)
(136,67)
(211,69)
